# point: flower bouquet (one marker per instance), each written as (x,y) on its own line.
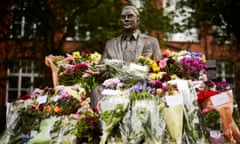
(213,124)
(193,132)
(87,128)
(192,67)
(76,68)
(222,102)
(143,121)
(112,109)
(170,66)
(13,133)
(173,116)
(129,74)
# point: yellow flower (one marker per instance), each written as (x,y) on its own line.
(140,57)
(149,61)
(158,76)
(95,58)
(152,76)
(155,66)
(182,52)
(159,91)
(204,58)
(174,76)
(76,55)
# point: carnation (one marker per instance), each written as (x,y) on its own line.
(191,67)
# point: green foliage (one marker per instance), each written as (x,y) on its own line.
(212,120)
(30,119)
(207,13)
(87,127)
(153,18)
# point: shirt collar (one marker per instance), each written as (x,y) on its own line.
(134,35)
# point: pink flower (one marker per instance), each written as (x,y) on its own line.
(205,110)
(69,58)
(76,116)
(85,75)
(163,63)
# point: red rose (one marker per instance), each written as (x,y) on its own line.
(204,94)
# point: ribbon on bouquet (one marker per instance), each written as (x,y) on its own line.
(223,103)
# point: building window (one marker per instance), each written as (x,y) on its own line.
(219,35)
(24,24)
(189,35)
(22,78)
(74,34)
(226,72)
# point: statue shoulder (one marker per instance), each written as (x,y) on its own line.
(148,37)
(114,39)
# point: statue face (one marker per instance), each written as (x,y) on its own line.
(129,19)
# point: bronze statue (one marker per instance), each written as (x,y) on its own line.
(129,45)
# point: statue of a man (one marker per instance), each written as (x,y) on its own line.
(129,45)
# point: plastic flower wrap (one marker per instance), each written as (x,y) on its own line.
(112,109)
(173,112)
(173,116)
(134,73)
(193,132)
(129,74)
(112,67)
(13,134)
(61,130)
(209,100)
(143,121)
(44,132)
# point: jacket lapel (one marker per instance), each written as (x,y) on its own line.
(118,49)
(140,45)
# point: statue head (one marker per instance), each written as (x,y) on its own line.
(130,18)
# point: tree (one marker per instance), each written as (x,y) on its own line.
(31,26)
(219,14)
(99,18)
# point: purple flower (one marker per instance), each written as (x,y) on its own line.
(165,77)
(90,120)
(223,86)
(158,84)
(209,83)
(197,54)
(49,90)
(191,67)
(138,87)
(26,138)
(65,95)
(165,88)
(69,70)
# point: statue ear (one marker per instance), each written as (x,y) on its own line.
(138,21)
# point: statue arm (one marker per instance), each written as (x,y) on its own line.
(105,52)
(156,50)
